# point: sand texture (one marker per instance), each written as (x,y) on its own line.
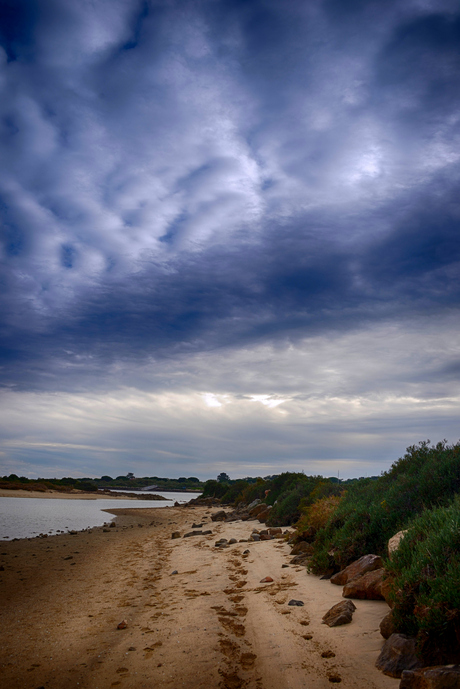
(213,624)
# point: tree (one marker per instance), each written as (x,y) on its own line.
(223,478)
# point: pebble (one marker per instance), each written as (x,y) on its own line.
(300,603)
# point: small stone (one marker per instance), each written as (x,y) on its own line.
(299,603)
(283,566)
(112,525)
(175,534)
(123,624)
(197,526)
(175,572)
(266,580)
(245,552)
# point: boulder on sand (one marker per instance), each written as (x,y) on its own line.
(367,563)
(398,654)
(339,614)
(439,677)
(387,625)
(367,587)
(219,516)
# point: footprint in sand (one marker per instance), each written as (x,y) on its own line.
(328,654)
(247,660)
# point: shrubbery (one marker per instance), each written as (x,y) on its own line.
(425,590)
(372,511)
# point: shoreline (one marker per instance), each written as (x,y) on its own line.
(55,494)
(212,624)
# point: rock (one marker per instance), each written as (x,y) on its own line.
(221,541)
(393,543)
(243,540)
(275,531)
(219,516)
(192,533)
(367,587)
(387,587)
(208,532)
(367,563)
(253,504)
(175,534)
(174,572)
(258,508)
(255,537)
(263,516)
(266,537)
(300,559)
(283,566)
(440,677)
(266,580)
(302,547)
(398,654)
(299,603)
(112,525)
(232,540)
(341,613)
(123,624)
(245,552)
(196,526)
(387,625)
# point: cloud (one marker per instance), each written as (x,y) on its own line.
(229,182)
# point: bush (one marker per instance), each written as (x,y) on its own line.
(315,516)
(426,592)
(290,492)
(374,510)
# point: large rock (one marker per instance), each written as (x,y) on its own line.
(219,516)
(258,508)
(367,563)
(367,587)
(440,677)
(300,559)
(339,614)
(398,654)
(387,625)
(393,543)
(253,504)
(263,516)
(302,547)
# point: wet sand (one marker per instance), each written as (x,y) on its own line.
(213,624)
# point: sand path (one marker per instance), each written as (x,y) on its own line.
(213,624)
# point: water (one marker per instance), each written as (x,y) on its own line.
(28,517)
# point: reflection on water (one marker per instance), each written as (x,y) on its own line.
(28,517)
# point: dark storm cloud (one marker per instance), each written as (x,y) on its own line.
(181,177)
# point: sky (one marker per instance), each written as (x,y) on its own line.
(229,235)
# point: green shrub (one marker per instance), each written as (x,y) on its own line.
(289,494)
(426,590)
(374,510)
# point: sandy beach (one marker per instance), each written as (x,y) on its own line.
(213,624)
